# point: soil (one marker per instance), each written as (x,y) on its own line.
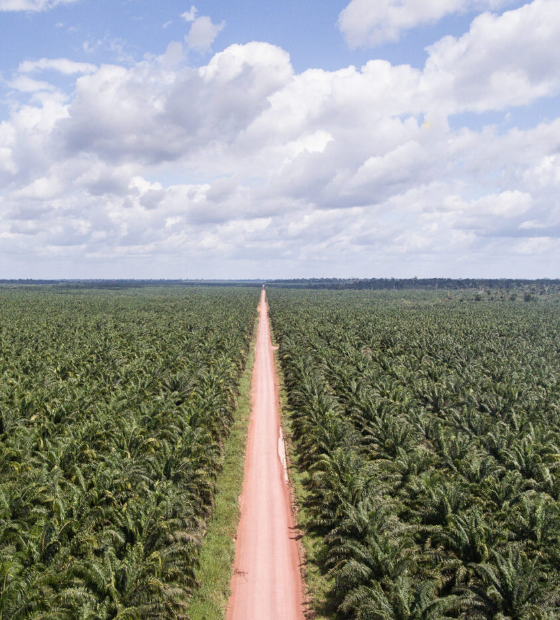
(266,582)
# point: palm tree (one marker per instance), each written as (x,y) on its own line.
(337,481)
(403,599)
(511,586)
(370,544)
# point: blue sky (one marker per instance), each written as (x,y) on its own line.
(307,30)
(279,139)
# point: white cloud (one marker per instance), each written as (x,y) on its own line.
(541,246)
(41,189)
(62,65)
(531,225)
(31,5)
(545,173)
(190,16)
(202,34)
(392,168)
(503,61)
(365,23)
(505,204)
(150,113)
(245,162)
(7,141)
(25,84)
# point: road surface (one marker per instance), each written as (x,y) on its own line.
(266,582)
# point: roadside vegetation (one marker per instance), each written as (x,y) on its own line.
(114,410)
(210,599)
(427,434)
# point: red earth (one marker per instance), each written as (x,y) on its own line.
(266,582)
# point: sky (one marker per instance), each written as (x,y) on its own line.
(268,139)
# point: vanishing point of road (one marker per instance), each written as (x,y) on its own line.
(266,582)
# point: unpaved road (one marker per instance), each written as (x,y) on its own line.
(266,582)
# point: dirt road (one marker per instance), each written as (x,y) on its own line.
(266,582)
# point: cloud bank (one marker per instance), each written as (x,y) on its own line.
(243,167)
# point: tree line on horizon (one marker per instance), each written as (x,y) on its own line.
(540,286)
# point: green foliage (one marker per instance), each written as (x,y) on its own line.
(429,432)
(114,409)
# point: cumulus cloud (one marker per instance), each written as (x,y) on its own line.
(190,16)
(502,61)
(115,115)
(31,5)
(243,161)
(365,23)
(202,33)
(41,189)
(506,204)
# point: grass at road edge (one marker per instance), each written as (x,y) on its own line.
(316,584)
(209,601)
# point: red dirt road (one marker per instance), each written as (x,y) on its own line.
(266,582)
